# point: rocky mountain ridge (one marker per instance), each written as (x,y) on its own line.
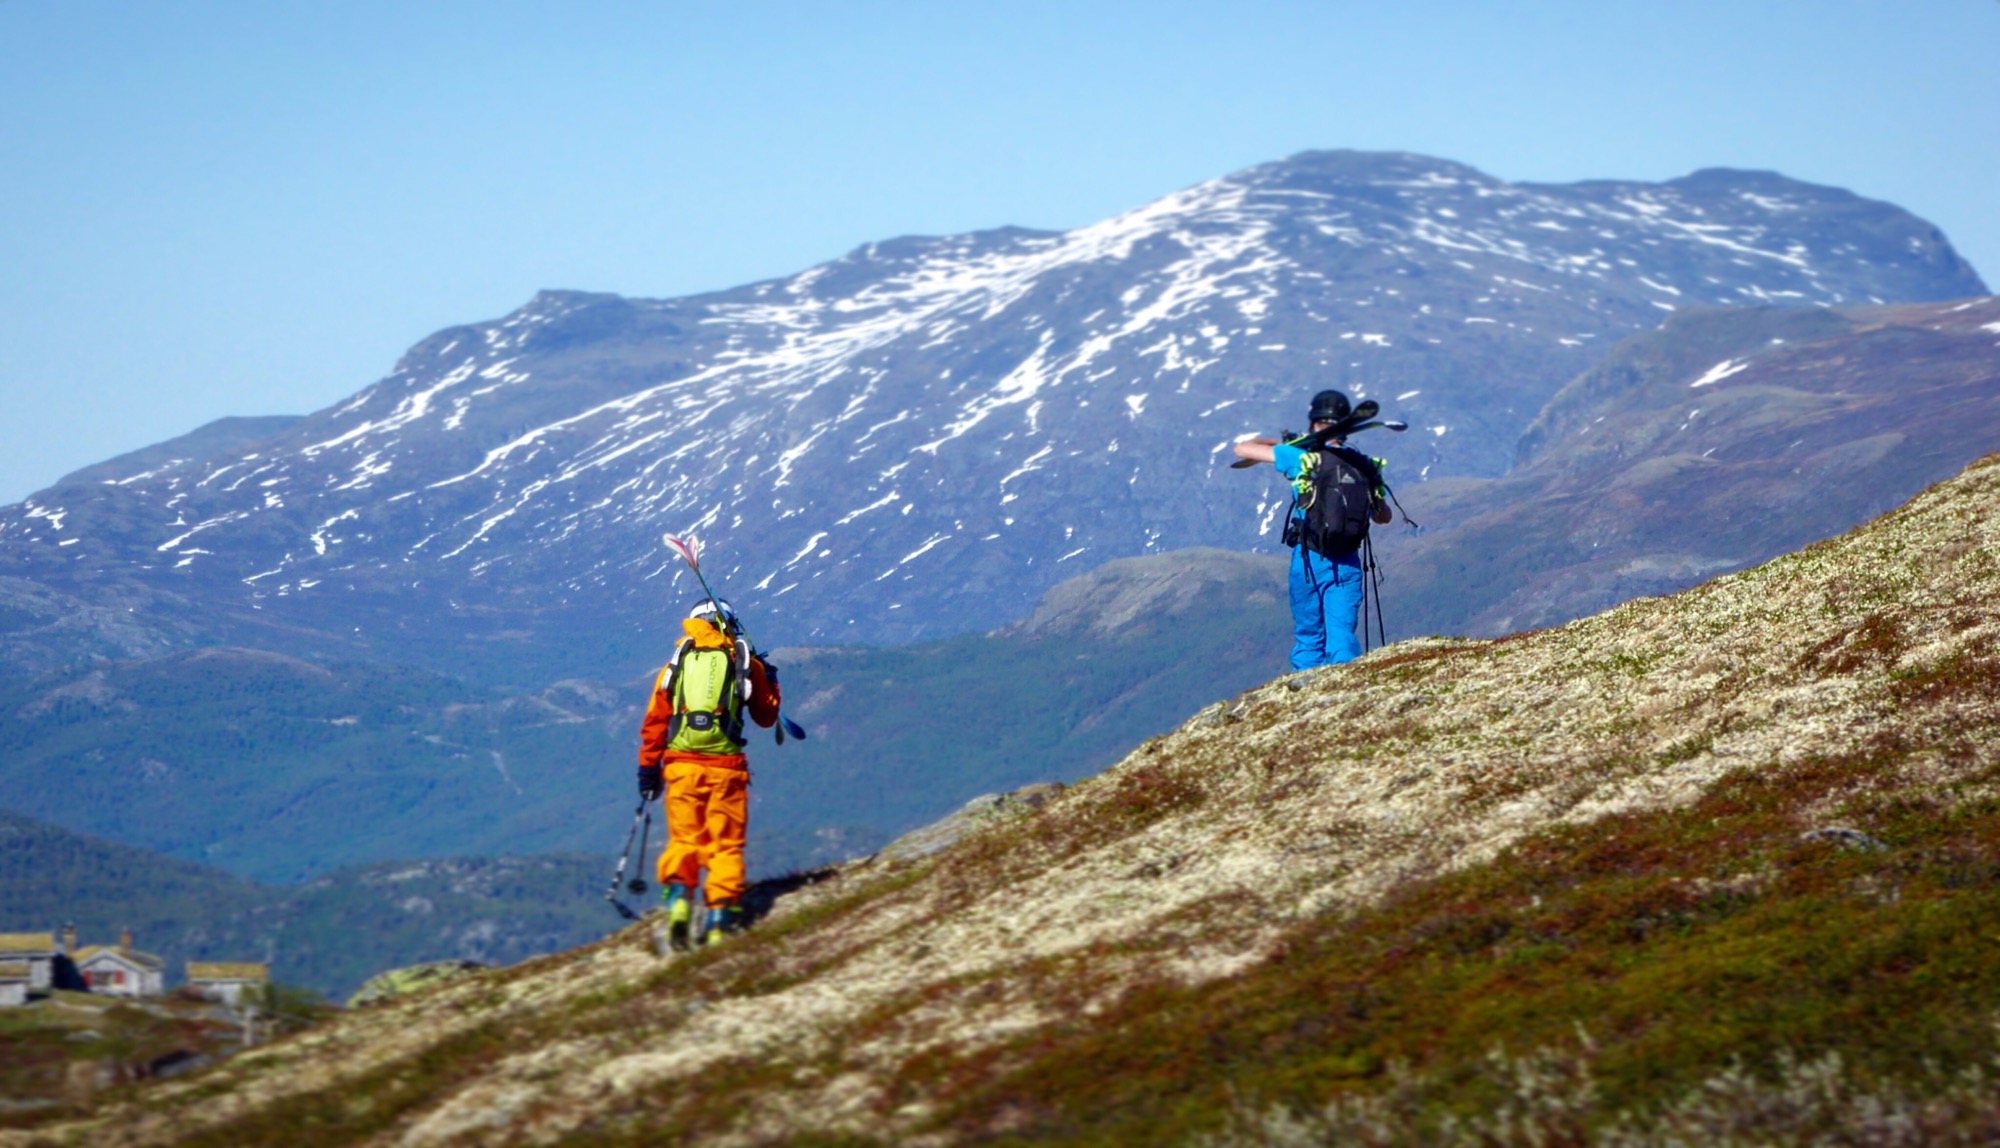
(920,438)
(1717,442)
(1762,806)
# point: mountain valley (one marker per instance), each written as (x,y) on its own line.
(1721,440)
(280,770)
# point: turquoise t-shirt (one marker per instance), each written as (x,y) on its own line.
(1289,460)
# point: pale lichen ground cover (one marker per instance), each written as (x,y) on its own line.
(1308,798)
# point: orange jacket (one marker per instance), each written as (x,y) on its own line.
(762,705)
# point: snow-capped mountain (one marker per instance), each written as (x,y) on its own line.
(921,437)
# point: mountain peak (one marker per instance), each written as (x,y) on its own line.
(922,437)
(1337,165)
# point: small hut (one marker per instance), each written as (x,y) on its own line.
(226,981)
(35,952)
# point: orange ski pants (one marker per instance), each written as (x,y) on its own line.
(708,817)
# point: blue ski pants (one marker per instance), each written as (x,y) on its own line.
(1326,604)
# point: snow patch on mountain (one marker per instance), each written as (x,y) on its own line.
(1721,371)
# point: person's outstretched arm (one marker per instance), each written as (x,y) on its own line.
(1255,449)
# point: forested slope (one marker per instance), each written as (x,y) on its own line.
(327,935)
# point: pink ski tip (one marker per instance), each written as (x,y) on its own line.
(688,548)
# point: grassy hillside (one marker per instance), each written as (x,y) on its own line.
(1714,868)
(60,1050)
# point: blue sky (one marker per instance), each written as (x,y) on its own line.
(239,207)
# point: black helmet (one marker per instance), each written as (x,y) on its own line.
(1330,407)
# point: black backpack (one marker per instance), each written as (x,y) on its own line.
(1339,503)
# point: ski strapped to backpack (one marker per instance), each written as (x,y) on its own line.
(690,552)
(707,688)
(1362,418)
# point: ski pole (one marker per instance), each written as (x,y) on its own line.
(1363,572)
(624,855)
(1397,503)
(1375,576)
(637,885)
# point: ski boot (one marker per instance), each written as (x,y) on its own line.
(723,921)
(680,916)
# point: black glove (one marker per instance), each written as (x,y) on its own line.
(652,782)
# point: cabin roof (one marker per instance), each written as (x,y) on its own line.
(133,957)
(228,971)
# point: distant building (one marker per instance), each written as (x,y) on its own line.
(122,971)
(13,983)
(226,981)
(36,952)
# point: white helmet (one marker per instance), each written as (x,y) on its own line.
(709,609)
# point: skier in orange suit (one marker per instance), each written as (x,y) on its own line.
(691,749)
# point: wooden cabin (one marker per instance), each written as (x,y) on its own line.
(121,971)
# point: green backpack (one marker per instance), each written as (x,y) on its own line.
(707,688)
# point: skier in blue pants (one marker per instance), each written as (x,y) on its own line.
(1326,604)
(1336,493)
